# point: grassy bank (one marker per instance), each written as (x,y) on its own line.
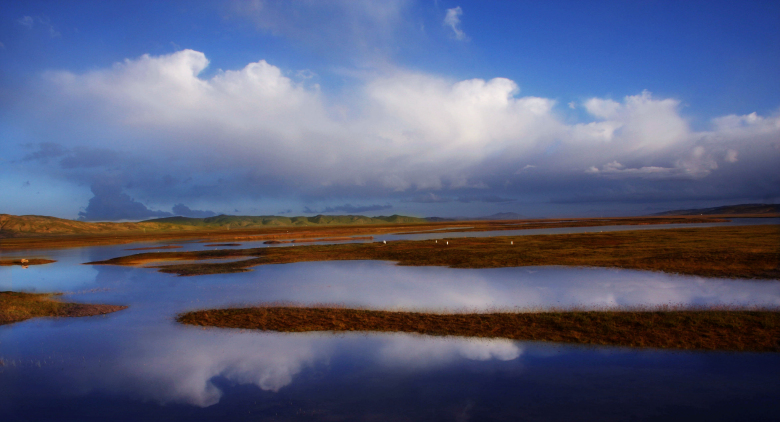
(17,306)
(756,331)
(37,238)
(735,252)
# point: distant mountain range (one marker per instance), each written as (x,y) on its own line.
(728,209)
(25,225)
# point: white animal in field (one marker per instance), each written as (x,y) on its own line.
(512,242)
(385,242)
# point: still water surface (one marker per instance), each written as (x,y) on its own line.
(140,364)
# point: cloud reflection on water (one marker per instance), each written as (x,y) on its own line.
(142,353)
(175,365)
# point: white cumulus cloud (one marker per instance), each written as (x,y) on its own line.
(401,131)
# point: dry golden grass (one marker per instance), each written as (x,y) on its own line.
(756,331)
(31,261)
(53,240)
(731,251)
(17,306)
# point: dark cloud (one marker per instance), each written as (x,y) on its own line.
(185,211)
(88,157)
(46,150)
(347,208)
(111,204)
(491,199)
(73,158)
(427,198)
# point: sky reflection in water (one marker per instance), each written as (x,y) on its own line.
(142,354)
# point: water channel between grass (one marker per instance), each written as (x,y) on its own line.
(139,363)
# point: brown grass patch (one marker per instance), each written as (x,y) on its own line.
(756,331)
(31,261)
(50,240)
(733,252)
(17,306)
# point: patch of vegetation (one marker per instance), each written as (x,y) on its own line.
(755,331)
(31,232)
(478,226)
(733,252)
(24,262)
(18,306)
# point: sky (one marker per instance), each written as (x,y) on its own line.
(139,109)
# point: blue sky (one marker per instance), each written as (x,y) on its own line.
(125,110)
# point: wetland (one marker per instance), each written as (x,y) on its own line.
(143,363)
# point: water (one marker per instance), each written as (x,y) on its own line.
(139,364)
(570,230)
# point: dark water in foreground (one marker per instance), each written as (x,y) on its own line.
(139,364)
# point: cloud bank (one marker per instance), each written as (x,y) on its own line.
(110,203)
(156,126)
(347,209)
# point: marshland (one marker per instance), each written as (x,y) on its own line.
(310,322)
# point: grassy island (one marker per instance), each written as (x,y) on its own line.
(18,306)
(23,262)
(731,251)
(756,331)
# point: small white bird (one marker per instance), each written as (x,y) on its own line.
(448,242)
(437,241)
(512,242)
(385,242)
